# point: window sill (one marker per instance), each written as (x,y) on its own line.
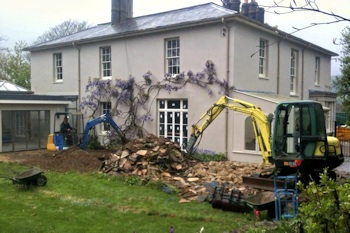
(58,82)
(317,85)
(107,78)
(293,95)
(263,78)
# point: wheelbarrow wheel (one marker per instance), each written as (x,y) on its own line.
(41,181)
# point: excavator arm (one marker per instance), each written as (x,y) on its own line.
(259,121)
(105,118)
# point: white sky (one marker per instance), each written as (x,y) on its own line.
(28,19)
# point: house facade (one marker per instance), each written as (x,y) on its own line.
(263,64)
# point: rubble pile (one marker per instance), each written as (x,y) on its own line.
(161,159)
(146,156)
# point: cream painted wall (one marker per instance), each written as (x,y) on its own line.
(137,55)
(42,72)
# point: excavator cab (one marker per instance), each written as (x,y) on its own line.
(59,140)
(300,140)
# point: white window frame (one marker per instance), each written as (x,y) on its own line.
(105,107)
(329,115)
(172,120)
(106,62)
(20,130)
(317,70)
(172,55)
(294,71)
(263,55)
(58,68)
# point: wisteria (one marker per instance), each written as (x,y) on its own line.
(132,101)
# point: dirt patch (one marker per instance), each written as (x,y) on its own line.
(72,159)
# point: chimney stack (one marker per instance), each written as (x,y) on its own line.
(253,11)
(121,11)
(232,4)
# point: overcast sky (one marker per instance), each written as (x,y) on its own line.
(28,19)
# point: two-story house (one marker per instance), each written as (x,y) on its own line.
(265,65)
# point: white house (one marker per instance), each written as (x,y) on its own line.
(265,65)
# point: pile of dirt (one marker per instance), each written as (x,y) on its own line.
(150,157)
(72,159)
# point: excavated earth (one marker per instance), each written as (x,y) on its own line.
(149,158)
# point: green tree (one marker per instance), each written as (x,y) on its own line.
(342,83)
(15,65)
(65,28)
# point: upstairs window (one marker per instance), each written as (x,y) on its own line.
(173,56)
(317,71)
(58,70)
(263,58)
(106,62)
(293,72)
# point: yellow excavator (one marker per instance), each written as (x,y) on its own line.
(298,144)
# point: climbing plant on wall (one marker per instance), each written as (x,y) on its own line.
(132,100)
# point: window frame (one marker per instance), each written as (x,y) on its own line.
(105,107)
(165,111)
(317,70)
(58,67)
(172,56)
(263,58)
(294,69)
(106,62)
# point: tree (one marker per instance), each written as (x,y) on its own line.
(15,66)
(290,6)
(342,83)
(65,28)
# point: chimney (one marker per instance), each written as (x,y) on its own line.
(245,8)
(253,8)
(232,4)
(253,11)
(261,15)
(121,11)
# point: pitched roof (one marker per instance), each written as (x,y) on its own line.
(199,14)
(157,21)
(8,87)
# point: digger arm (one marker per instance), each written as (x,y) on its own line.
(259,120)
(103,118)
(208,117)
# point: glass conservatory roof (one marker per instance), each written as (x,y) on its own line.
(6,86)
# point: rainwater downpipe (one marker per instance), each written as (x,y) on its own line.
(302,74)
(278,67)
(79,78)
(228,33)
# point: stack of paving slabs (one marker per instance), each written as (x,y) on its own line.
(160,159)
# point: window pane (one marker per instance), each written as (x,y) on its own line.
(161,117)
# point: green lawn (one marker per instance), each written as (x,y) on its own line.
(73,202)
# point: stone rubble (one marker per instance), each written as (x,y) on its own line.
(161,159)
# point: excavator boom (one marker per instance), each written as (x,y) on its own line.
(105,118)
(259,121)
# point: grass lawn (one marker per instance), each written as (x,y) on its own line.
(73,202)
